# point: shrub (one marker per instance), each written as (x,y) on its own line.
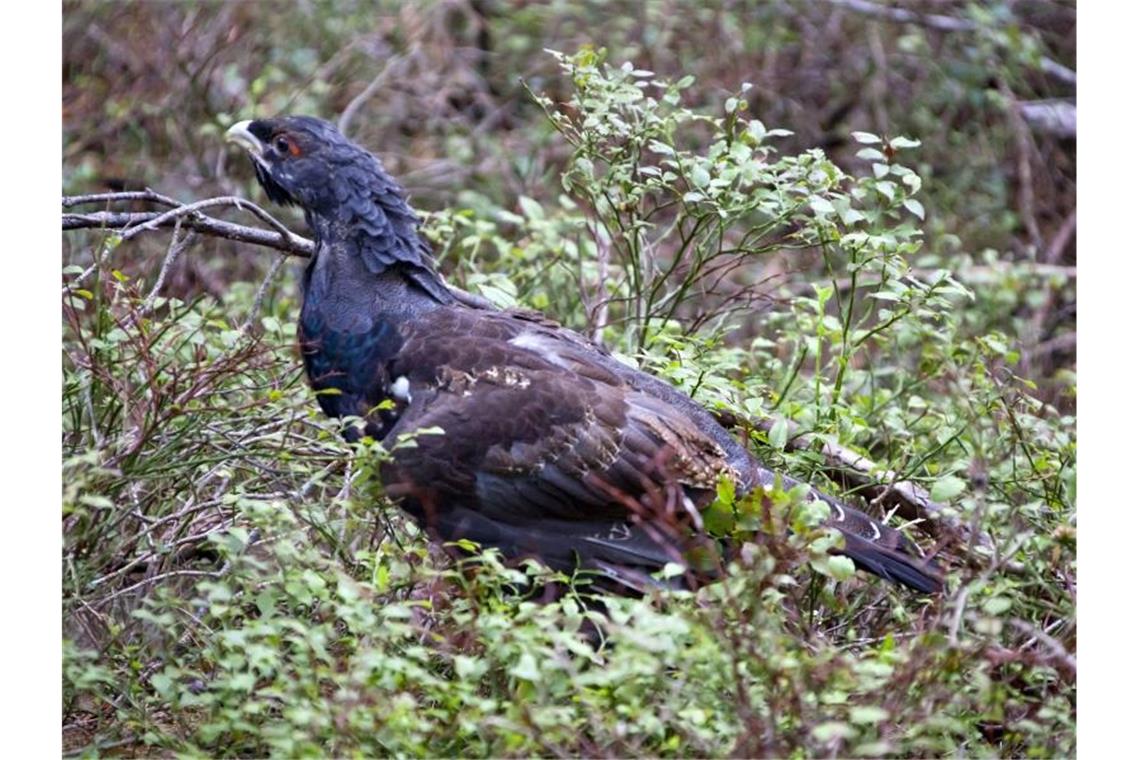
(234,586)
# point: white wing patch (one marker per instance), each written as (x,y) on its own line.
(541,345)
(401,389)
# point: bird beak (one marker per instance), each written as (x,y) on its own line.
(239,134)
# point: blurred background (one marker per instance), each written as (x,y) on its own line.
(439,91)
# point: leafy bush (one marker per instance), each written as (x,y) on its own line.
(233,585)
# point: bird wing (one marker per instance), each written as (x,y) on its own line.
(548,451)
(543,450)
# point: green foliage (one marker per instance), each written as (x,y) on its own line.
(233,584)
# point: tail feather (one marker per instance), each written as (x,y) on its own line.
(894,565)
(882,550)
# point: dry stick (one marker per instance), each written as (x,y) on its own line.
(1036,330)
(177,246)
(370,90)
(118,220)
(192,209)
(133,195)
(1061,654)
(1024,142)
(943,24)
(257,299)
(912,501)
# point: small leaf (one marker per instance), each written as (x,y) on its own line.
(700,176)
(530,207)
(840,568)
(867,138)
(821,206)
(899,143)
(997,605)
(868,714)
(947,488)
(778,435)
(826,732)
(526,668)
(915,208)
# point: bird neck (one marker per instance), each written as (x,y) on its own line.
(362,243)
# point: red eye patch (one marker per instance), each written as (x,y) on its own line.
(285,144)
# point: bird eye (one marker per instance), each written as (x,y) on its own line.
(283,145)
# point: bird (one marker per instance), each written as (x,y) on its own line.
(502,427)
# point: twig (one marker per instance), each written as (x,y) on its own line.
(1035,333)
(943,24)
(1024,142)
(1063,342)
(118,220)
(257,299)
(1060,653)
(173,251)
(134,195)
(89,404)
(163,576)
(1061,240)
(370,90)
(1055,117)
(192,209)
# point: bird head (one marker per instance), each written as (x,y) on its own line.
(304,161)
(350,202)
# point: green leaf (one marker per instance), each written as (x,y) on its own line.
(867,138)
(997,605)
(839,567)
(700,176)
(530,208)
(901,143)
(947,488)
(821,206)
(778,435)
(831,730)
(526,668)
(915,208)
(868,714)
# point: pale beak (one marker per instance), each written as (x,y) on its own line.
(239,134)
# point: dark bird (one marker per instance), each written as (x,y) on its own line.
(550,447)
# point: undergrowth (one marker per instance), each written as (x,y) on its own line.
(233,585)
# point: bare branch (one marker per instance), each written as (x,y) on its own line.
(361,98)
(122,220)
(133,195)
(1055,117)
(261,291)
(177,246)
(192,209)
(942,23)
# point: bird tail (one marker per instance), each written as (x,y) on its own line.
(882,550)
